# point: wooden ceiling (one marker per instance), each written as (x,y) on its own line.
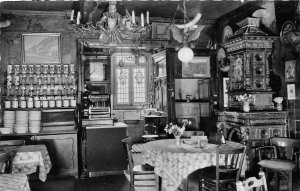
(210,10)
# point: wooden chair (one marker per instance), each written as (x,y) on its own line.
(4,162)
(145,172)
(150,133)
(281,158)
(7,155)
(252,182)
(223,177)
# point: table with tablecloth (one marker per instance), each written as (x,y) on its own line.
(31,158)
(174,163)
(14,182)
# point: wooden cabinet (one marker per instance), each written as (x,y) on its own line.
(188,97)
(103,152)
(62,149)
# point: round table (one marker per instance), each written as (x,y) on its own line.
(174,163)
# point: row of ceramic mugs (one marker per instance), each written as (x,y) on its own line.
(40,103)
(38,69)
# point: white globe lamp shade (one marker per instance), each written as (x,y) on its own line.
(185,54)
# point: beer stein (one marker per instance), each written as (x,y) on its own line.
(52,69)
(72,68)
(24,69)
(38,69)
(17,69)
(66,68)
(7,104)
(16,80)
(58,69)
(30,69)
(9,78)
(9,69)
(45,69)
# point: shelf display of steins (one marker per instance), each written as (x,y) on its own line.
(40,85)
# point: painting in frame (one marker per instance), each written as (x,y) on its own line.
(198,67)
(291,92)
(41,48)
(225,91)
(290,71)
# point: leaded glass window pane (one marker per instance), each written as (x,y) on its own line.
(139,85)
(122,85)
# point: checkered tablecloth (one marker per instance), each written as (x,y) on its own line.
(14,182)
(32,158)
(173,164)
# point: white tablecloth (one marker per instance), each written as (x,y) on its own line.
(14,182)
(29,159)
(173,164)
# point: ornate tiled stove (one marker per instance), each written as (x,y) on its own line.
(254,128)
(249,50)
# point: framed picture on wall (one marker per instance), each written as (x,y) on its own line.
(291,92)
(225,91)
(161,30)
(290,71)
(41,48)
(198,67)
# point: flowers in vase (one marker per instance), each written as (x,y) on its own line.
(245,98)
(278,99)
(175,129)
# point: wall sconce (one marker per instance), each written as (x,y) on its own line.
(185,54)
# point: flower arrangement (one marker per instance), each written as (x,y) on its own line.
(245,98)
(175,129)
(278,99)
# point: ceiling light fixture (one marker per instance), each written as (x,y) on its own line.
(186,34)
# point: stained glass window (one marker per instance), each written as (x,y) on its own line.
(139,85)
(130,81)
(122,76)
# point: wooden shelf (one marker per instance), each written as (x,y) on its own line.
(42,108)
(192,101)
(40,133)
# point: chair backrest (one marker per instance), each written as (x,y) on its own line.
(12,142)
(150,129)
(253,182)
(4,158)
(4,161)
(285,146)
(128,145)
(233,161)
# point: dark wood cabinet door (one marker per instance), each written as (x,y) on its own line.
(63,153)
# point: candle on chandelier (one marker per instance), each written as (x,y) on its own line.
(142,19)
(78,18)
(72,15)
(133,17)
(147,17)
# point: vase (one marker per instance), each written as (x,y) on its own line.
(246,106)
(279,106)
(177,141)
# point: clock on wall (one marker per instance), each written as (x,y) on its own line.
(223,61)
(287,34)
(227,32)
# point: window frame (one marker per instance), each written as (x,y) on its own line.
(131,105)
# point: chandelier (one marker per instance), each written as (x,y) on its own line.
(111,28)
(186,34)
